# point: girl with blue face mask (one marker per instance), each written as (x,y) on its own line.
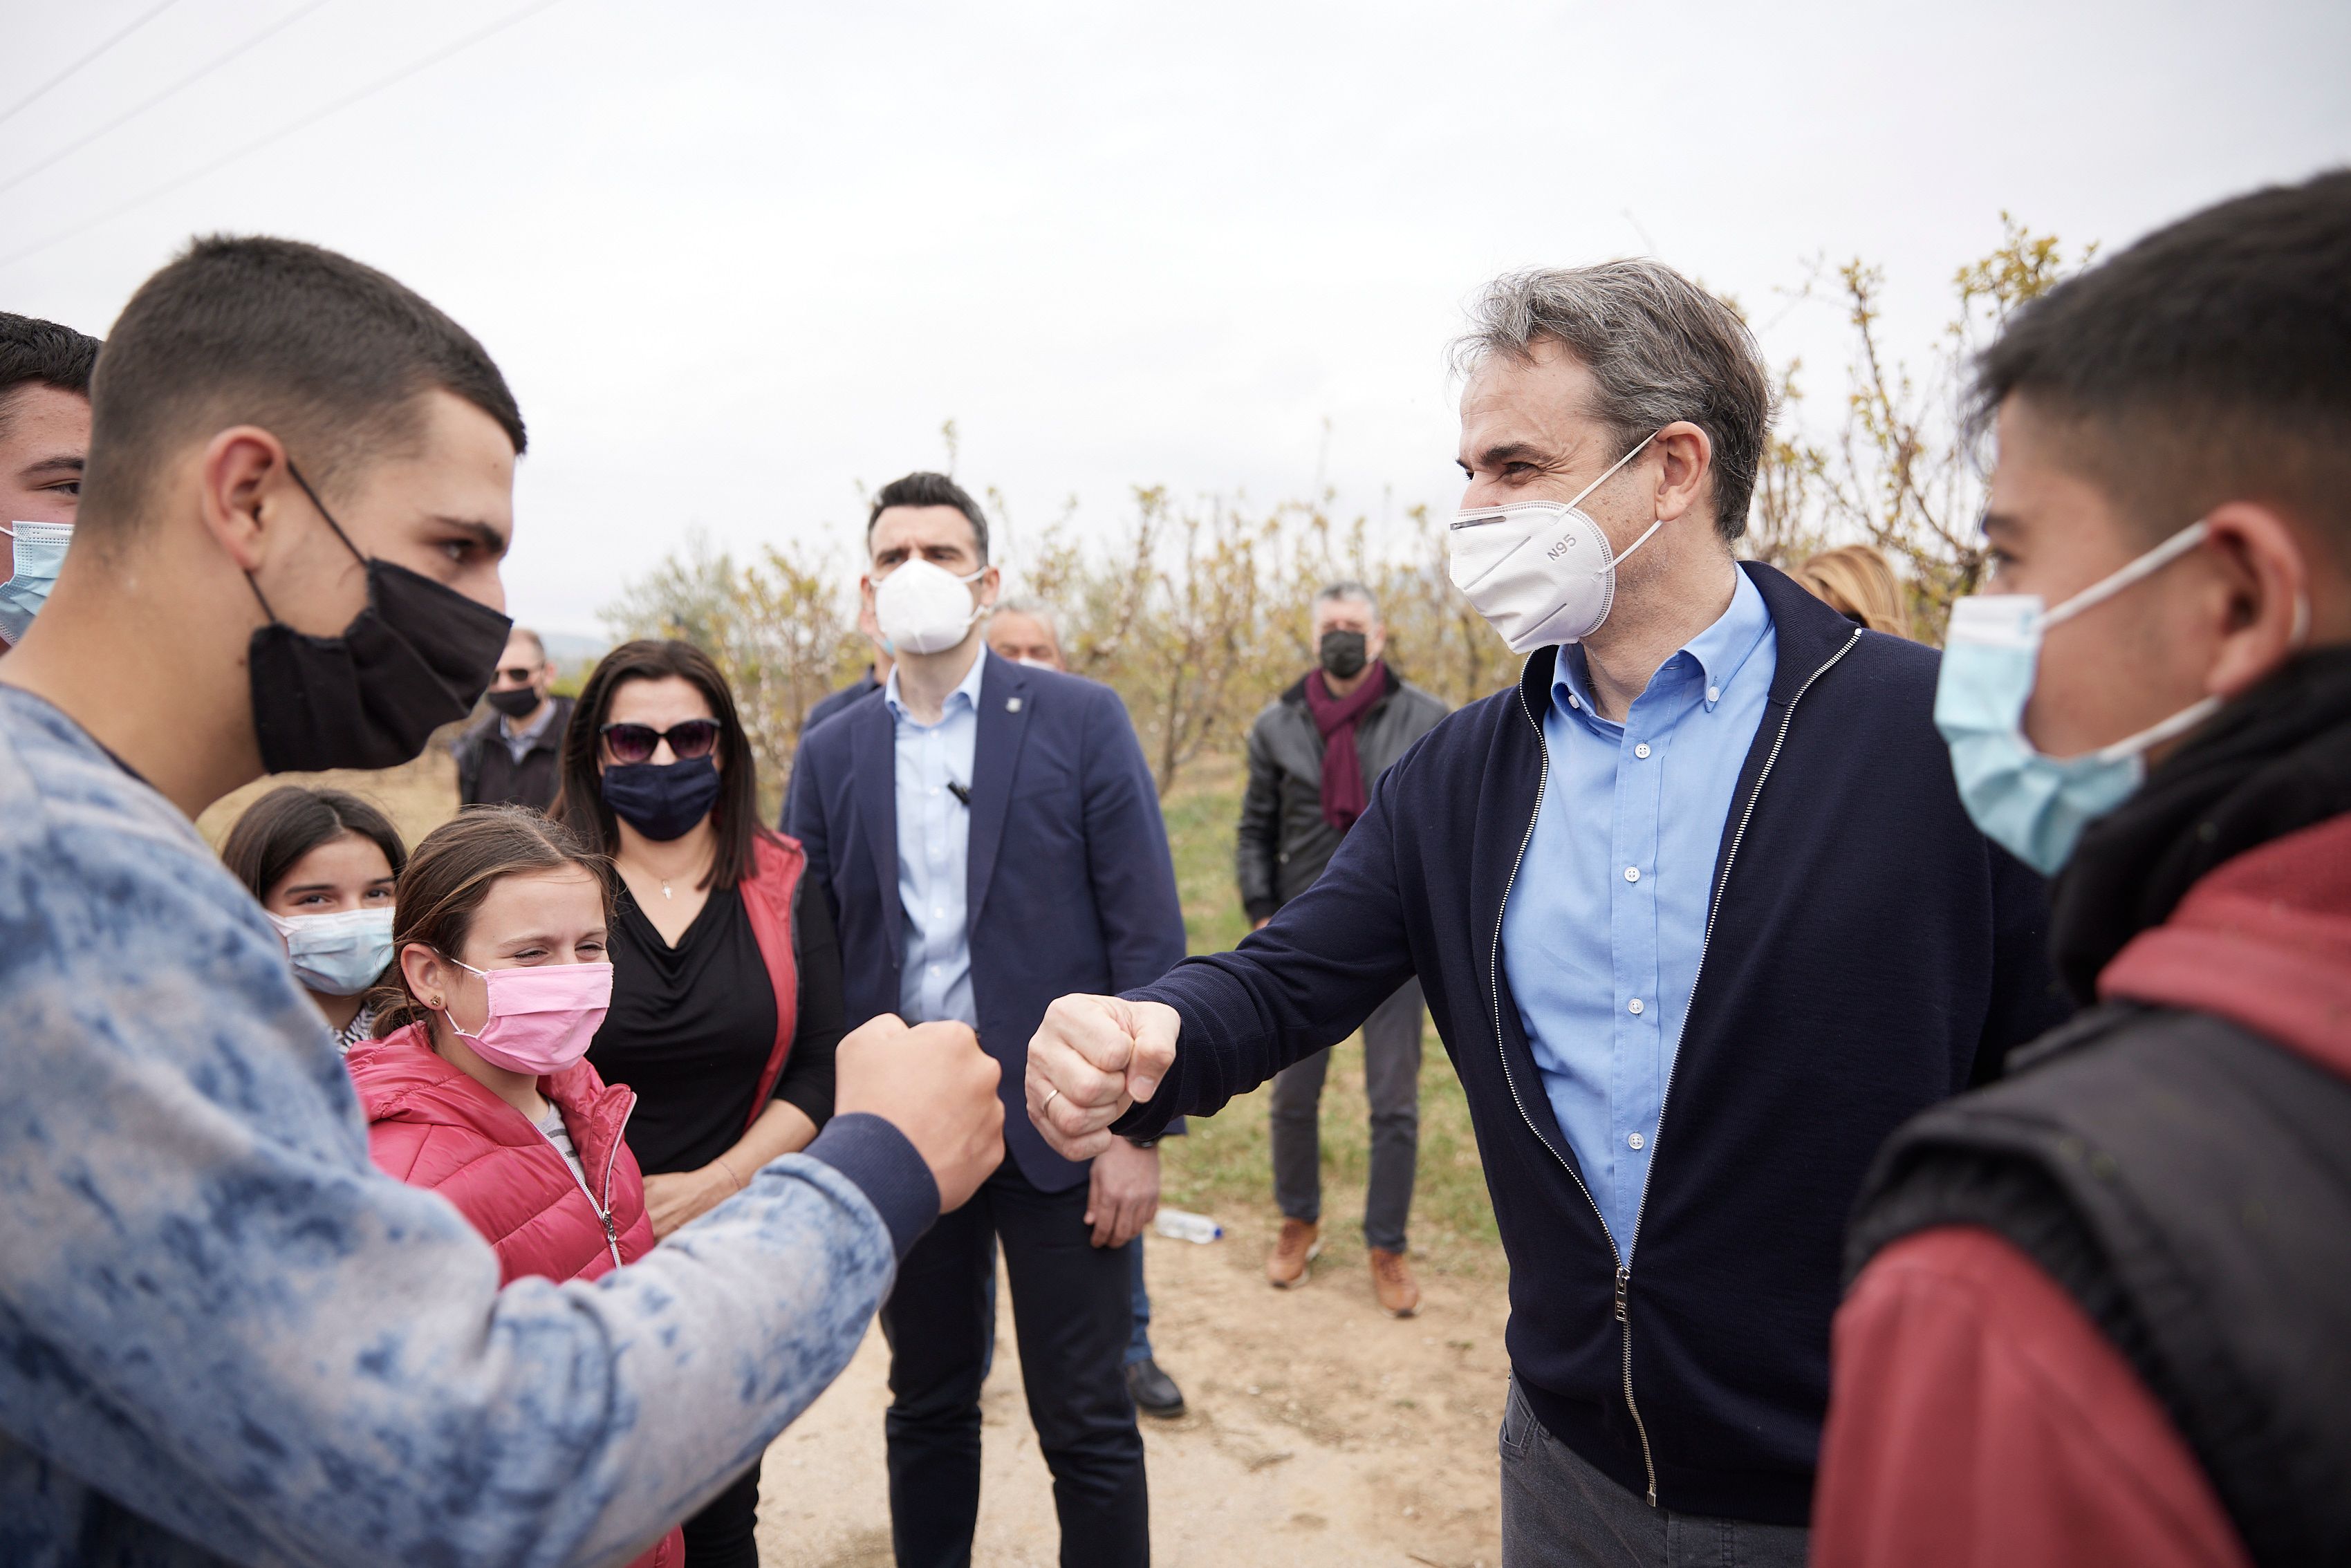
(323,864)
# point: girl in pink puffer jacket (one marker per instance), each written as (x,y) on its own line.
(476,1085)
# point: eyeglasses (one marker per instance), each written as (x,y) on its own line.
(521,675)
(627,743)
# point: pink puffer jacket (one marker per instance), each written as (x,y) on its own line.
(432,1127)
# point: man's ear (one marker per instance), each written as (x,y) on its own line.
(1685,459)
(242,477)
(2265,588)
(991,585)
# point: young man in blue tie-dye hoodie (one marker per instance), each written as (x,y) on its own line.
(222,1336)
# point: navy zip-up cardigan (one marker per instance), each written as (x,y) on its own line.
(1868,953)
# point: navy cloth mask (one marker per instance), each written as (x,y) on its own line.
(663,802)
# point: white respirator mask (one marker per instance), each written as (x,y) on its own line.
(923,608)
(1542,573)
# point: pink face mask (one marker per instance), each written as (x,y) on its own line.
(540,1017)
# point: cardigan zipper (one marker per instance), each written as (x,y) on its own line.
(1623,1271)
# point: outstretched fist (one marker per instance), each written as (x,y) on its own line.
(1092,1058)
(934,1083)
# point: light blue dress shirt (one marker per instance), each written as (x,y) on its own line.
(933,849)
(1604,928)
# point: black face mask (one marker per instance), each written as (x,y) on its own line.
(1342,654)
(514,704)
(419,656)
(663,801)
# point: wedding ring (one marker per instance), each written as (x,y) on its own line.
(1048,1105)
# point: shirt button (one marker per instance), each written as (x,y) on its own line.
(1634,1007)
(1714,694)
(1642,749)
(1633,1140)
(1572,700)
(1632,874)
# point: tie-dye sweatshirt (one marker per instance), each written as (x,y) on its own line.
(224,1335)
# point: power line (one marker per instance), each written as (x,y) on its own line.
(303,123)
(70,148)
(139,22)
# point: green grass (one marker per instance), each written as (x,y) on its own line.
(1224,1167)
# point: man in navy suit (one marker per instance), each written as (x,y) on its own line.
(991,840)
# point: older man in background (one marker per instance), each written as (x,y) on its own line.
(513,756)
(1029,632)
(1313,755)
(1704,871)
(44,371)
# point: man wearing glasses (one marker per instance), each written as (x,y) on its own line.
(990,833)
(514,755)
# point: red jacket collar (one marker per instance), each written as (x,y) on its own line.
(400,1077)
(2264,941)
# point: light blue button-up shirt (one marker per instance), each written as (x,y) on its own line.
(1604,928)
(933,849)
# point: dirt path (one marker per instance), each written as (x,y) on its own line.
(1320,1431)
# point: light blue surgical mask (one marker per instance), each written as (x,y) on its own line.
(338,955)
(40,550)
(2033,805)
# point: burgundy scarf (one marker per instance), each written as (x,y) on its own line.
(1343,795)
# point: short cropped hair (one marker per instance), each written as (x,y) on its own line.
(34,352)
(531,637)
(921,489)
(330,355)
(1659,348)
(1035,609)
(2209,361)
(1349,589)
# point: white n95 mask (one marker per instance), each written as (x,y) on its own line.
(923,608)
(1540,573)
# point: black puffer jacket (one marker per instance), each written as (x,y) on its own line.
(1284,843)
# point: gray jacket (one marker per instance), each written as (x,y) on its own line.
(1284,843)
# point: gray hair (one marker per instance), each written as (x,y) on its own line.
(1659,348)
(1349,589)
(1035,608)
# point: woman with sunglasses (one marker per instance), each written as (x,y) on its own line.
(726,985)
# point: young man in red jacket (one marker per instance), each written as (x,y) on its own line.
(2101,1307)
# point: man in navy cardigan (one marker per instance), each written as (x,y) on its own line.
(991,837)
(1697,911)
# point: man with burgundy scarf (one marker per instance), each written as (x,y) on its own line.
(1313,755)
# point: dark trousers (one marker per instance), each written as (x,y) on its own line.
(721,1535)
(1392,1084)
(1073,1311)
(1561,1511)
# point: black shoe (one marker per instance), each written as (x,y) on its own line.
(1154,1392)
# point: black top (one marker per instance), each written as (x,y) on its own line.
(690,1028)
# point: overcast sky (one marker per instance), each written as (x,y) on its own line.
(738,259)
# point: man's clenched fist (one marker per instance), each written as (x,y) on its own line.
(1092,1058)
(934,1083)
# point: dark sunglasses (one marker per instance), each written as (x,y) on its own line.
(519,676)
(696,737)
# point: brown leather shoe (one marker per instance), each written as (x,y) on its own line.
(1288,1265)
(1399,1297)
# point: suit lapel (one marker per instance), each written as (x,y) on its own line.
(873,773)
(1004,707)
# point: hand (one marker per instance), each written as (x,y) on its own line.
(1092,1058)
(1261,921)
(1123,1194)
(935,1084)
(681,1196)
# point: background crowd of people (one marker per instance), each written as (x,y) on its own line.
(501,1197)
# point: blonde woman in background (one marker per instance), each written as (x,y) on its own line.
(1858,582)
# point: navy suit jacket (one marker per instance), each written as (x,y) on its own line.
(1069,884)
